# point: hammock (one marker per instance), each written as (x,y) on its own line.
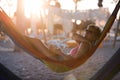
(36,48)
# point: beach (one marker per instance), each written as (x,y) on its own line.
(28,67)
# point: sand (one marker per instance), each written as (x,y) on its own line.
(27,67)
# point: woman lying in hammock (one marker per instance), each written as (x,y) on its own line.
(59,62)
(86,42)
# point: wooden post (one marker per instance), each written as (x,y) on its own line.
(116,32)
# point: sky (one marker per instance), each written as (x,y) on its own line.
(65,4)
(85,4)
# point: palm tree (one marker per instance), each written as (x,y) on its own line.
(76,1)
(100,3)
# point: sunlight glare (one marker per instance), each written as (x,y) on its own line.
(9,6)
(52,3)
(78,22)
(65,5)
(82,5)
(85,4)
(33,7)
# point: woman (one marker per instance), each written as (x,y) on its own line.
(86,42)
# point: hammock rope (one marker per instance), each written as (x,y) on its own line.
(37,49)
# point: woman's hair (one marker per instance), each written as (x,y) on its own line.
(94,29)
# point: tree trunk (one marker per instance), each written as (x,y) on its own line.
(20,18)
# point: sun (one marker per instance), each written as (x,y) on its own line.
(33,7)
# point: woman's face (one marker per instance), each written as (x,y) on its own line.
(90,35)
